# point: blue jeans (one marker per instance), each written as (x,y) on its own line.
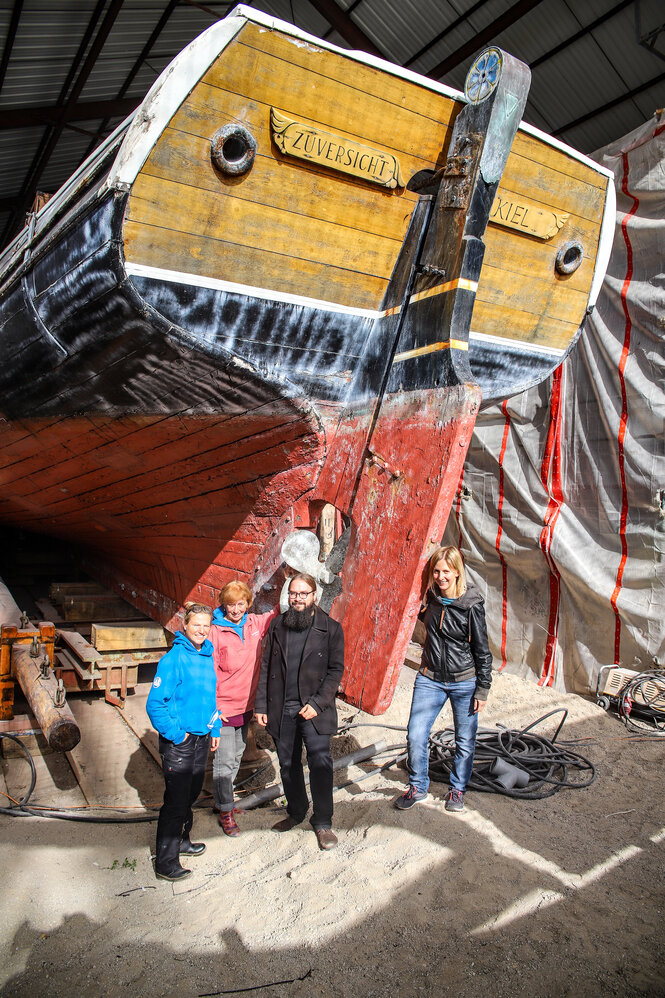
(429,698)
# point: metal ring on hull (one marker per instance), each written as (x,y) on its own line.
(569,258)
(232,149)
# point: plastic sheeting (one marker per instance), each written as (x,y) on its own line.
(560,512)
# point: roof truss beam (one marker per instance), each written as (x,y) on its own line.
(621,99)
(348,29)
(30,117)
(488,34)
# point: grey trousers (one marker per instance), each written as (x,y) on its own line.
(225,765)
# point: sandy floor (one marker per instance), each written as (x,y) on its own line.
(561,897)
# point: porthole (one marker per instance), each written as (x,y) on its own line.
(232,149)
(569,258)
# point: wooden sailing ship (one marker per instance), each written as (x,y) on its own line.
(275,288)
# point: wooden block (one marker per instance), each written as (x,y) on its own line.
(413,656)
(58,590)
(98,608)
(128,637)
(48,611)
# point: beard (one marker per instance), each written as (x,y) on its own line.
(298,620)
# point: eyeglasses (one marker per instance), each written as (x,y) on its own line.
(301,597)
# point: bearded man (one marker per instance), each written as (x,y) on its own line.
(301,669)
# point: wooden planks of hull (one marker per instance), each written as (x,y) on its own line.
(310,231)
(213,356)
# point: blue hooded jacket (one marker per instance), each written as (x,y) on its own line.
(183,695)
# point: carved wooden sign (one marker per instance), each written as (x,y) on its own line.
(294,138)
(526,216)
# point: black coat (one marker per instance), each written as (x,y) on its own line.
(456,646)
(321,670)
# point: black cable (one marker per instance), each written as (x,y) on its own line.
(372,772)
(635,698)
(22,810)
(549,767)
(367,724)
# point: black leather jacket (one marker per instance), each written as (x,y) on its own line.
(456,646)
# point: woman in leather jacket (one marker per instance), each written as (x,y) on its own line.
(456,665)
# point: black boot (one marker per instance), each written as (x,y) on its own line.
(188,848)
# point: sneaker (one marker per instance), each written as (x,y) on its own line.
(411,797)
(455,800)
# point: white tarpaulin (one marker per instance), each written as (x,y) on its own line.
(561,510)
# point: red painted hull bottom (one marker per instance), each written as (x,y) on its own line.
(170,508)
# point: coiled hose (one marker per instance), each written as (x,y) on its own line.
(550,767)
(649,704)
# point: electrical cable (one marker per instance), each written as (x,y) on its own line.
(31,763)
(22,810)
(549,767)
(366,724)
(635,698)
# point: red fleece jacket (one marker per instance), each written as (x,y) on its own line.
(237,662)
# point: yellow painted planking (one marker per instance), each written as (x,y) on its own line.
(542,183)
(544,296)
(329,103)
(494,319)
(534,258)
(365,80)
(542,153)
(187,209)
(155,246)
(330,236)
(332,198)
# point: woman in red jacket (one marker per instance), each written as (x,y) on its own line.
(236,637)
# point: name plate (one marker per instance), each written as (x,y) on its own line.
(526,216)
(294,138)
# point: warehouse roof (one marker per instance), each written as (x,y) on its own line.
(71,70)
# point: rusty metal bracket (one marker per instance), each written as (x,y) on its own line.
(376,459)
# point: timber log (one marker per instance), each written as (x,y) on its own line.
(42,692)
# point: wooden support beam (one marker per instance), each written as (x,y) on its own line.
(95,607)
(128,637)
(59,590)
(57,722)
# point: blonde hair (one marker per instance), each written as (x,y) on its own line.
(452,556)
(191,608)
(234,591)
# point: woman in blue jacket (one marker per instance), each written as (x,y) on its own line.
(456,665)
(182,707)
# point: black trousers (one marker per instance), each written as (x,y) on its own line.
(184,768)
(293,733)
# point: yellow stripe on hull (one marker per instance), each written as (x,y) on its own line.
(431,348)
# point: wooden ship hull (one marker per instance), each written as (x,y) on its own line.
(270,290)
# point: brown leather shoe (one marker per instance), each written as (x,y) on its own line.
(326,838)
(285,825)
(228,823)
